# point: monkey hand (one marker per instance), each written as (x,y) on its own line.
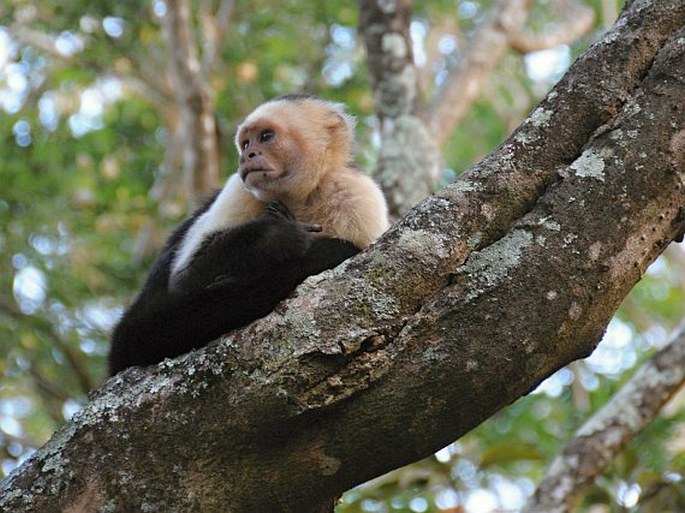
(311,228)
(277,210)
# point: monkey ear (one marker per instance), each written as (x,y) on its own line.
(335,123)
(341,121)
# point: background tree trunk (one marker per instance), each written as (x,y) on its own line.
(411,132)
(195,100)
(473,298)
(408,159)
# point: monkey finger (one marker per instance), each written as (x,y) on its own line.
(221,281)
(278,210)
(312,228)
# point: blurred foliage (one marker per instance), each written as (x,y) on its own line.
(85,197)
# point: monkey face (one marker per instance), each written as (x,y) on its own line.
(271,157)
(261,164)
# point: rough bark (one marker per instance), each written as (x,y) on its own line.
(607,432)
(472,299)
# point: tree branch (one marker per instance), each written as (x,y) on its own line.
(476,296)
(609,430)
(214,28)
(72,357)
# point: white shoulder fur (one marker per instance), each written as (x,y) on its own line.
(224,212)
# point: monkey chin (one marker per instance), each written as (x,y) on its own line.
(259,175)
(263,184)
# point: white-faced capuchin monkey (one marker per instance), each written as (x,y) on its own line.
(295,208)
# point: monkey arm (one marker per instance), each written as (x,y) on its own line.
(245,251)
(262,268)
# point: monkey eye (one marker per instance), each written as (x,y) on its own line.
(266,135)
(244,144)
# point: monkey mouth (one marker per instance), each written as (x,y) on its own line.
(245,171)
(259,178)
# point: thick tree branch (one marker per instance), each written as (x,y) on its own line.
(197,124)
(609,430)
(477,295)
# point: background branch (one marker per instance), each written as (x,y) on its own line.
(578,21)
(464,82)
(609,430)
(73,358)
(214,22)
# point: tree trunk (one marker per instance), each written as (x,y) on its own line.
(472,299)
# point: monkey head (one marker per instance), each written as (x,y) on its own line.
(287,144)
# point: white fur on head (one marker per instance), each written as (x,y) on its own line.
(310,105)
(316,135)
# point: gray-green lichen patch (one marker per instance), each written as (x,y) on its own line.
(110,402)
(465,185)
(490,267)
(612,35)
(575,311)
(54,460)
(569,239)
(379,304)
(524,137)
(392,105)
(540,117)
(404,132)
(394,44)
(589,165)
(475,240)
(305,323)
(550,224)
(423,245)
(616,135)
(595,251)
